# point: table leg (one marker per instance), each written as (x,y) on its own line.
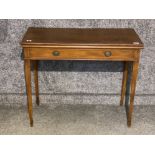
(27,66)
(124,81)
(36,81)
(132,90)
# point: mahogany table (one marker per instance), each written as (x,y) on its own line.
(96,44)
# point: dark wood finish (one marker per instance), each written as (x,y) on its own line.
(81,37)
(81,44)
(36,81)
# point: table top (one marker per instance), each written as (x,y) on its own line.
(81,37)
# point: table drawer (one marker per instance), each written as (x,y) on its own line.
(81,54)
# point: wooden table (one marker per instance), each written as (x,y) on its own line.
(81,44)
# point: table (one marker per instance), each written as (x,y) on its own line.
(98,44)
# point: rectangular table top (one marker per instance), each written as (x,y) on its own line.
(81,37)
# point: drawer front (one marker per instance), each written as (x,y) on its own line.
(81,54)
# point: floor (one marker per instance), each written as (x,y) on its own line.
(77,120)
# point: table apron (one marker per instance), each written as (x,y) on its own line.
(82,54)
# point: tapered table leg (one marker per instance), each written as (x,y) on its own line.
(27,66)
(36,81)
(124,81)
(132,90)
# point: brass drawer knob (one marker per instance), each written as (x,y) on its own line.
(107,53)
(56,53)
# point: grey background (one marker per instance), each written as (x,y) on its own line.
(74,82)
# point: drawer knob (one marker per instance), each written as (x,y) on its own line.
(56,53)
(107,53)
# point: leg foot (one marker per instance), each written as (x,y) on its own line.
(31,123)
(37,101)
(129,123)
